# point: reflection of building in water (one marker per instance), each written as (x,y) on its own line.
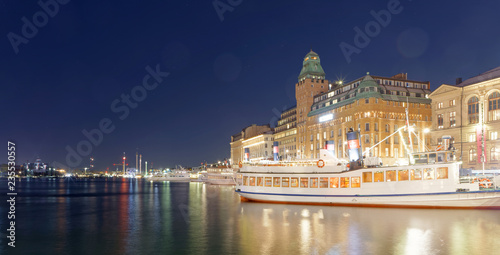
(294,229)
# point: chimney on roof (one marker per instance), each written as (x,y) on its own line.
(458,81)
(401,76)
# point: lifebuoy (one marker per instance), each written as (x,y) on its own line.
(320,163)
(485,185)
(240,164)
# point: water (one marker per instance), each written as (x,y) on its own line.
(139,217)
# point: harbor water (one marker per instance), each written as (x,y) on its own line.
(133,216)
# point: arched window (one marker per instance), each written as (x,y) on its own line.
(494,106)
(473,110)
(494,154)
(472,156)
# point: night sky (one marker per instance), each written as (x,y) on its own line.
(226,70)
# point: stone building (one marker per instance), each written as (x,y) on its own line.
(468,114)
(376,106)
(257,139)
(285,133)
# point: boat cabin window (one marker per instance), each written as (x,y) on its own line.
(432,157)
(295,182)
(276,181)
(313,182)
(323,182)
(334,182)
(428,173)
(403,175)
(355,182)
(269,181)
(390,175)
(252,180)
(259,181)
(303,182)
(449,156)
(440,157)
(378,176)
(415,174)
(344,182)
(245,180)
(285,182)
(442,173)
(423,159)
(367,176)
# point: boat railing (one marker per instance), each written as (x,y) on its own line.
(283,163)
(433,157)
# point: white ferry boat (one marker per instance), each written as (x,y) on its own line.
(177,175)
(220,175)
(431,181)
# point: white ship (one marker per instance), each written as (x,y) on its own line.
(220,175)
(430,180)
(177,175)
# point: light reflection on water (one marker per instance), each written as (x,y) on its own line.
(139,217)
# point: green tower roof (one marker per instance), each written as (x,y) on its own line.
(311,67)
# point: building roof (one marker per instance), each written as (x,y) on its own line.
(312,66)
(368,88)
(488,75)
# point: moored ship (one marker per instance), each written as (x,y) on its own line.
(220,175)
(429,180)
(177,175)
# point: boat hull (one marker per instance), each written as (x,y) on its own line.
(471,200)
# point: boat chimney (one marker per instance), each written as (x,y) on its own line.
(247,154)
(275,150)
(330,147)
(355,160)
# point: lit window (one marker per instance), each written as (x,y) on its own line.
(276,181)
(367,176)
(472,156)
(415,174)
(472,137)
(344,182)
(403,175)
(313,182)
(355,182)
(493,135)
(494,106)
(334,182)
(440,120)
(473,110)
(428,173)
(453,119)
(390,175)
(494,154)
(323,182)
(285,182)
(303,182)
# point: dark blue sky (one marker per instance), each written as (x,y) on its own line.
(223,74)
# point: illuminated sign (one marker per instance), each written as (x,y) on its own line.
(326,117)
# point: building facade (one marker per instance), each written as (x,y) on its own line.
(468,114)
(257,139)
(285,133)
(311,83)
(375,106)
